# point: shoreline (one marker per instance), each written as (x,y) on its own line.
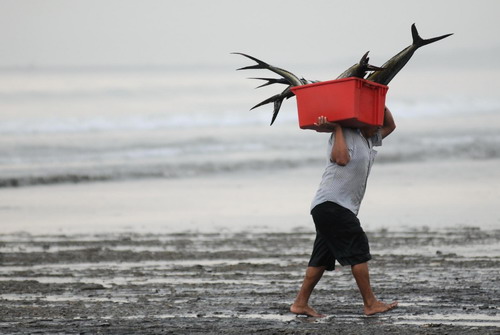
(399,196)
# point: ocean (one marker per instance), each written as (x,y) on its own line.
(71,125)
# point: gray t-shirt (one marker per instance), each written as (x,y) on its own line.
(346,185)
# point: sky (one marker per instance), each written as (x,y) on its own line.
(55,32)
(301,35)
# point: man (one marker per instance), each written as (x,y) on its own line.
(339,236)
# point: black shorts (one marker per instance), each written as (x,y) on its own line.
(339,236)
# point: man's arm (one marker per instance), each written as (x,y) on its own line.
(389,124)
(340,153)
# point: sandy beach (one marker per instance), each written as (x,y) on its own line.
(241,283)
(152,256)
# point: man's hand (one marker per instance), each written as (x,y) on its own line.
(324,124)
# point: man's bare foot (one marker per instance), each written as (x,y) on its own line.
(379,307)
(305,310)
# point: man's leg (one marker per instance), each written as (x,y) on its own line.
(372,305)
(301,304)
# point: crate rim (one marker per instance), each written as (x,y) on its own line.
(369,82)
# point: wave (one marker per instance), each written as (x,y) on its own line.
(168,171)
(167,121)
(61,125)
(222,160)
(178,153)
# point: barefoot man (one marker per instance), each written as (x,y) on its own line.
(339,236)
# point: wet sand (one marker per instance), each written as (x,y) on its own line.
(243,283)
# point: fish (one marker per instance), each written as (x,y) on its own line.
(381,75)
(277,100)
(392,67)
(271,81)
(359,70)
(290,77)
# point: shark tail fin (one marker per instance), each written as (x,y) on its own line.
(267,101)
(277,105)
(271,81)
(419,41)
(260,64)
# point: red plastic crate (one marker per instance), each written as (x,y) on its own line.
(352,102)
